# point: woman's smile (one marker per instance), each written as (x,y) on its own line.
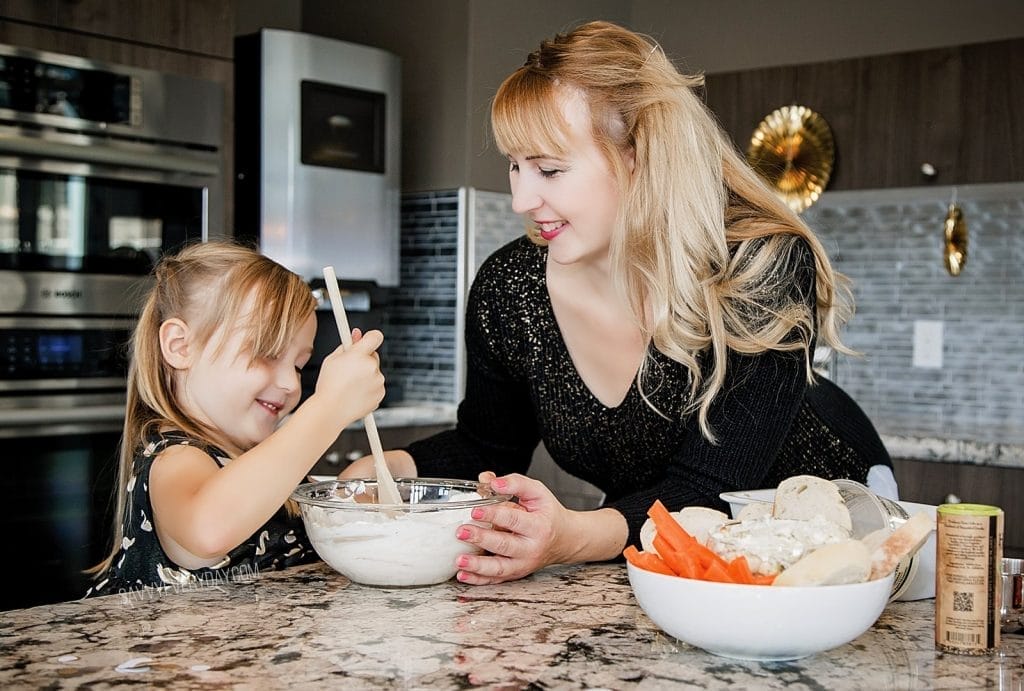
(549,230)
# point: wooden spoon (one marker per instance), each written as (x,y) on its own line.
(387,490)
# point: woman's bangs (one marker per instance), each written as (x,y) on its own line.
(527,117)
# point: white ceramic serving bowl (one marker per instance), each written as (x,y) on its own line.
(753,622)
(921,583)
(391,545)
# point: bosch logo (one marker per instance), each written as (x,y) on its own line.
(73,294)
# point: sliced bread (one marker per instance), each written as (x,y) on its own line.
(802,497)
(835,564)
(903,542)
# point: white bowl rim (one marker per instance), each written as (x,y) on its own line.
(766,496)
(317,493)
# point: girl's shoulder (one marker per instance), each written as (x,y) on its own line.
(157,442)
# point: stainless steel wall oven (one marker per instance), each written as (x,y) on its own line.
(102,169)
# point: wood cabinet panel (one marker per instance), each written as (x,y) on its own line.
(956,108)
(929,482)
(205,27)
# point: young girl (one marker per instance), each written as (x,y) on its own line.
(205,471)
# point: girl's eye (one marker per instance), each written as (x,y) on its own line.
(513,167)
(549,172)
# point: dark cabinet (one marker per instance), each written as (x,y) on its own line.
(956,108)
(930,482)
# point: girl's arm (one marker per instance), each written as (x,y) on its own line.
(208,511)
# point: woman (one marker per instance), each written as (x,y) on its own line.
(658,337)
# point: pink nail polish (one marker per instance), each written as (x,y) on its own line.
(499,484)
(462,562)
(462,533)
(477,514)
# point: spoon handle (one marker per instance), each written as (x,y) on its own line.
(387,490)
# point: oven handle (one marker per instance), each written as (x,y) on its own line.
(40,417)
(39,148)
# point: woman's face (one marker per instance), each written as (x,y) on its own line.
(572,199)
(245,402)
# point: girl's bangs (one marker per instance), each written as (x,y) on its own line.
(278,312)
(527,118)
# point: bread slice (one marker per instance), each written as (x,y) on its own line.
(903,542)
(802,497)
(755,510)
(875,538)
(835,564)
(698,521)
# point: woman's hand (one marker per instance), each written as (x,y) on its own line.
(536,532)
(400,463)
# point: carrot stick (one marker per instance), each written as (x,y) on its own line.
(646,561)
(680,561)
(719,573)
(764,580)
(668,527)
(739,569)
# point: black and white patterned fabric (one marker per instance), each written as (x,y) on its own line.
(142,563)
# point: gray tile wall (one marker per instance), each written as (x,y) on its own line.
(889,242)
(420,320)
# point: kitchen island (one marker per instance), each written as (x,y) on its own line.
(564,627)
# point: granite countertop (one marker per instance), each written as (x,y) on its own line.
(954,450)
(565,627)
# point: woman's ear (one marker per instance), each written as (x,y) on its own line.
(175,343)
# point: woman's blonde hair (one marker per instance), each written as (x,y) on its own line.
(212,287)
(703,248)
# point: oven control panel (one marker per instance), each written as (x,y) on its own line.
(76,355)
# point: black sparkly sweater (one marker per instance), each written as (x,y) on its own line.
(522,387)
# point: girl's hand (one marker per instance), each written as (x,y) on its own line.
(524,537)
(351,383)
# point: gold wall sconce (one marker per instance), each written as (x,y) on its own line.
(793,150)
(955,233)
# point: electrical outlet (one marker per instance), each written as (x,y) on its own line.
(928,344)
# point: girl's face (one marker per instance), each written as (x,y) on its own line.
(243,401)
(572,198)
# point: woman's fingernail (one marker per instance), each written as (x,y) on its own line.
(462,562)
(462,575)
(477,514)
(499,483)
(462,533)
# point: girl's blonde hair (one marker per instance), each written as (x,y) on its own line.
(703,248)
(212,287)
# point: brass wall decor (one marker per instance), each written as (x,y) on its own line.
(793,150)
(955,231)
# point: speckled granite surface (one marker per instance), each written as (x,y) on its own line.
(955,451)
(565,628)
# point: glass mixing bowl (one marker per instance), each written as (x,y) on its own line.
(392,545)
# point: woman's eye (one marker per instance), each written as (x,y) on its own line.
(513,166)
(549,172)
